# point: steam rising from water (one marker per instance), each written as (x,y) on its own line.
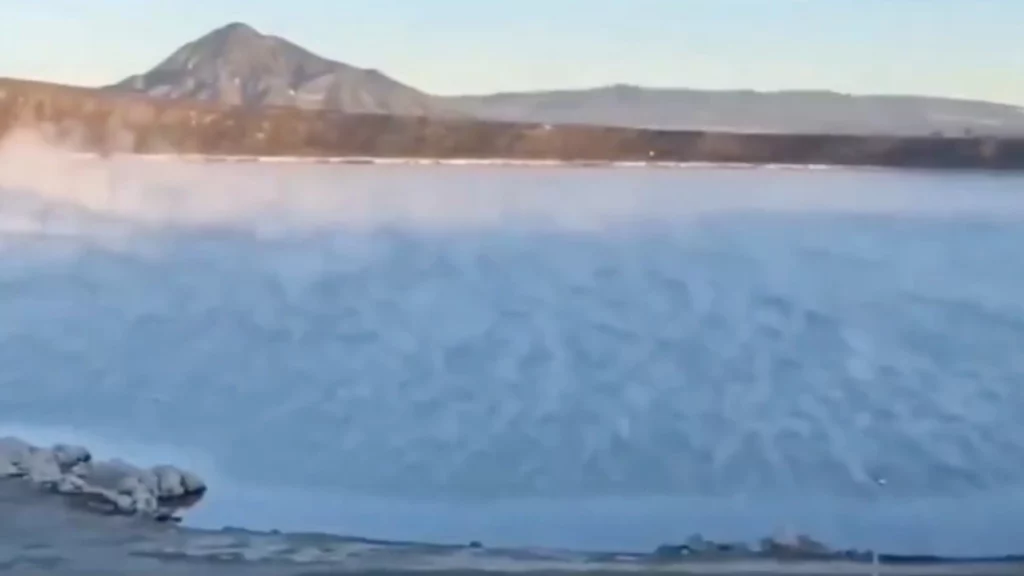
(280,197)
(593,358)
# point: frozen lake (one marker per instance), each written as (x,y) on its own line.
(591,358)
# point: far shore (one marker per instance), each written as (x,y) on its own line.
(468,162)
(77,118)
(516,163)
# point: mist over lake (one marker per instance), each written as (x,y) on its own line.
(584,358)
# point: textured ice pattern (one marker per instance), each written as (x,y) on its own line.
(854,371)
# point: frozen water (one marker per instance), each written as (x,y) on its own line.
(552,357)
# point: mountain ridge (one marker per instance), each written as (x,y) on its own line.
(785,111)
(237,64)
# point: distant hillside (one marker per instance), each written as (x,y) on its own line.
(748,111)
(106,121)
(236,64)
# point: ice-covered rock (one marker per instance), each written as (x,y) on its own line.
(69,456)
(131,490)
(140,496)
(7,469)
(112,486)
(175,483)
(697,545)
(71,484)
(42,467)
(799,545)
(784,545)
(108,474)
(13,454)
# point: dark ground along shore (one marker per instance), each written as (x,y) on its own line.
(41,534)
(105,121)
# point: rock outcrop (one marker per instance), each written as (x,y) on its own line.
(783,547)
(108,487)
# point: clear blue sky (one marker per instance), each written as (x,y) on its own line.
(966,48)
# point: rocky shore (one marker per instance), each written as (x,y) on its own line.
(103,121)
(110,487)
(64,512)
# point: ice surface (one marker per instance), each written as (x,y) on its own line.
(585,358)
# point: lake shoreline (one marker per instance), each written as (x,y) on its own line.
(41,533)
(48,527)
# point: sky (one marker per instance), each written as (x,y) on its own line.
(958,48)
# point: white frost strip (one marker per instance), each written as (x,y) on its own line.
(402,161)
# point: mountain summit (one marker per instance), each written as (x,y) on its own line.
(236,64)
